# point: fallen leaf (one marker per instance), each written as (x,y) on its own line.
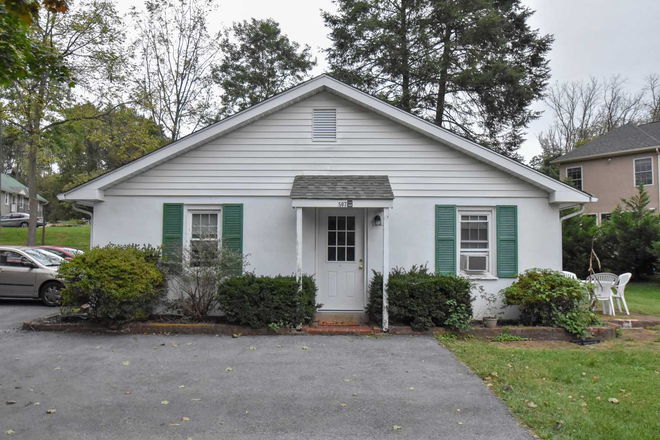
(584,374)
(355,394)
(507,388)
(97,347)
(10,432)
(228,369)
(174,345)
(595,379)
(37,404)
(127,392)
(182,386)
(343,405)
(175,424)
(236,335)
(51,411)
(252,347)
(11,402)
(460,423)
(165,402)
(347,380)
(396,427)
(279,346)
(195,400)
(304,347)
(126,363)
(487,379)
(598,398)
(458,410)
(189,343)
(184,419)
(412,388)
(613,400)
(57,368)
(532,405)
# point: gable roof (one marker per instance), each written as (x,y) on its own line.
(625,139)
(10,185)
(93,190)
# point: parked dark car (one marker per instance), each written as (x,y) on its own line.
(18,220)
(63,252)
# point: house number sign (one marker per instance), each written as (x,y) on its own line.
(345,204)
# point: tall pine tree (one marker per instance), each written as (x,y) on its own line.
(471,66)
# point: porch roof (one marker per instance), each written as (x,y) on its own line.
(342,188)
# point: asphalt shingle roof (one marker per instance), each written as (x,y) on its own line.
(342,187)
(10,185)
(625,138)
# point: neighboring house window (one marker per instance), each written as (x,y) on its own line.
(324,125)
(644,171)
(475,242)
(204,234)
(575,175)
(6,198)
(604,216)
(21,201)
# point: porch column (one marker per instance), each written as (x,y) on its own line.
(386,265)
(299,245)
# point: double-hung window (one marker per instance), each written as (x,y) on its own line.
(204,236)
(575,176)
(475,246)
(643,171)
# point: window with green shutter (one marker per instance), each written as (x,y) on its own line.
(232,227)
(172,229)
(445,239)
(507,241)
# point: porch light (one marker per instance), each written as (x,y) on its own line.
(377,221)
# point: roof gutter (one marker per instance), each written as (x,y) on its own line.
(559,160)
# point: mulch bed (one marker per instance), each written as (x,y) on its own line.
(167,324)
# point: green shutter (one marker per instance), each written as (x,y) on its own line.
(172,229)
(507,241)
(232,227)
(445,239)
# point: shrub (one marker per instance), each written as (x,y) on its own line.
(422,299)
(120,283)
(259,301)
(195,274)
(546,297)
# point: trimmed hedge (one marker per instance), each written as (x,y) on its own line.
(548,298)
(422,299)
(120,283)
(258,301)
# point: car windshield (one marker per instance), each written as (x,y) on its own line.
(45,258)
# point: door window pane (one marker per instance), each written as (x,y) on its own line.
(332,254)
(341,254)
(341,238)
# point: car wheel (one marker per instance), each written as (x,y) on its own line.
(50,294)
(24,225)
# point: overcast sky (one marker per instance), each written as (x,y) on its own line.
(592,37)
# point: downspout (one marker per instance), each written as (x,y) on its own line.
(75,207)
(573,214)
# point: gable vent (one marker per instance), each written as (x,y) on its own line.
(324,125)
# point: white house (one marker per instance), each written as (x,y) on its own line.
(327,180)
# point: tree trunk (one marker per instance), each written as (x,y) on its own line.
(34,139)
(444,76)
(2,159)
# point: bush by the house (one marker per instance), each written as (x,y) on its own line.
(120,283)
(194,275)
(422,299)
(548,298)
(259,301)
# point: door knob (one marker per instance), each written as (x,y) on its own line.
(360,267)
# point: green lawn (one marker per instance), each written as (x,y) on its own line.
(643,298)
(77,237)
(561,391)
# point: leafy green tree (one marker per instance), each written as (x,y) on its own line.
(87,44)
(471,66)
(628,237)
(258,61)
(577,237)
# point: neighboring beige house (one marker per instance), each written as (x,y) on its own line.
(14,197)
(612,166)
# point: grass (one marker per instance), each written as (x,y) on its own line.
(561,391)
(77,237)
(643,298)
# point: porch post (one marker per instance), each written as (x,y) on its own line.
(386,265)
(299,245)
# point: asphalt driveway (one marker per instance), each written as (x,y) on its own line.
(179,387)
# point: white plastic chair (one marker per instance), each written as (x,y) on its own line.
(604,282)
(620,287)
(570,275)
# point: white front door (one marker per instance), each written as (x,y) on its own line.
(341,259)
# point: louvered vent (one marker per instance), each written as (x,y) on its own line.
(324,125)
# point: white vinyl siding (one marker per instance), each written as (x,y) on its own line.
(262,158)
